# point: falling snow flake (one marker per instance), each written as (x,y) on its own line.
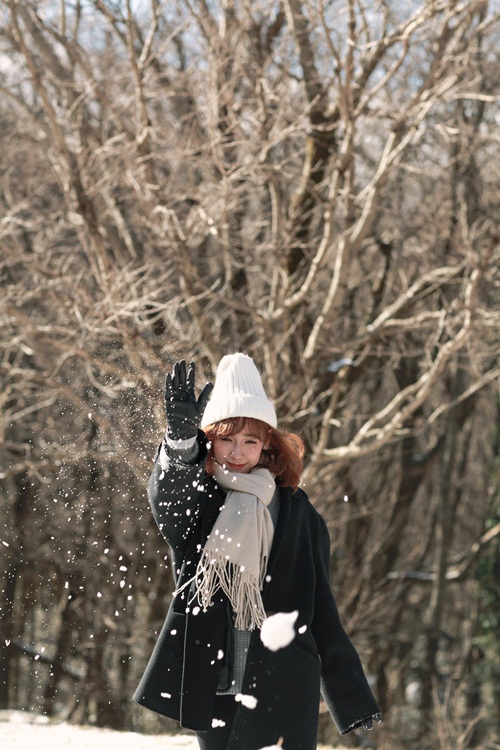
(249,701)
(278,631)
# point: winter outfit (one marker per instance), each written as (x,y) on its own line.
(210,642)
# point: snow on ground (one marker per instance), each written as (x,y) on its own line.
(23,731)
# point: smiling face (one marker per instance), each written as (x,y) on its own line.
(239,452)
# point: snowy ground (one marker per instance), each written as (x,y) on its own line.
(21,731)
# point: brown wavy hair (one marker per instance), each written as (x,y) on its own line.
(284,456)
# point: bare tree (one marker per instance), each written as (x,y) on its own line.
(315,184)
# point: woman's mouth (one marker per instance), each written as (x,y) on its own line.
(234,467)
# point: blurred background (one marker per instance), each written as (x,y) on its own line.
(314,183)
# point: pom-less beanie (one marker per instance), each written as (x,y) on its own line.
(238,392)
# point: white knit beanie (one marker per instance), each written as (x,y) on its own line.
(238,392)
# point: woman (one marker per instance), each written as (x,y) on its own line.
(246,544)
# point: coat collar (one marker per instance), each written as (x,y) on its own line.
(281,526)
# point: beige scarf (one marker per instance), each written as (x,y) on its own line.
(236,553)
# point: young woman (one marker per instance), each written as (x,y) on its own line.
(246,544)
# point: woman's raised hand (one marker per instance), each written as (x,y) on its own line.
(184,410)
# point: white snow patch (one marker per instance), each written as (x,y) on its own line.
(21,729)
(278,631)
(249,701)
(218,723)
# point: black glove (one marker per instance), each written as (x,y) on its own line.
(184,412)
(368,724)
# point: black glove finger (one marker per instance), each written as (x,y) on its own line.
(205,396)
(191,378)
(175,377)
(169,387)
(182,375)
(179,379)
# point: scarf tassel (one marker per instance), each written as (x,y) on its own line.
(216,572)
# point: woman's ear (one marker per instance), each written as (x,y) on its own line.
(267,442)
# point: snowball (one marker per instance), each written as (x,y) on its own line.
(249,701)
(218,723)
(278,631)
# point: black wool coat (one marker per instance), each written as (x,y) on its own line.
(180,680)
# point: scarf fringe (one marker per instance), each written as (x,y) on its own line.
(236,552)
(215,573)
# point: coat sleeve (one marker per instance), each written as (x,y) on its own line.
(177,494)
(344,686)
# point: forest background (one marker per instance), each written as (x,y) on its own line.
(315,183)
